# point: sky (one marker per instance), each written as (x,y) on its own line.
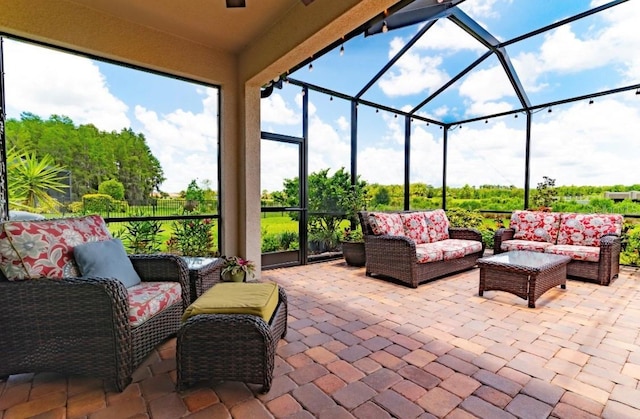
(576,143)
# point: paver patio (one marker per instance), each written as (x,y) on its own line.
(367,348)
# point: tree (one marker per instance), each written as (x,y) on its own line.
(29,180)
(546,193)
(113,188)
(331,199)
(94,156)
(382,197)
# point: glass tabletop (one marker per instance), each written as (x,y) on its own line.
(197,262)
(525,258)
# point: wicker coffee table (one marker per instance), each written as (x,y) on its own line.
(525,274)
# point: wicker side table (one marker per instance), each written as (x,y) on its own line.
(203,274)
(235,347)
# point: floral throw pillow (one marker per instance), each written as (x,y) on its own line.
(415,227)
(36,249)
(535,226)
(588,229)
(383,223)
(438,225)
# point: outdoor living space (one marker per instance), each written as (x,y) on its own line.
(368,348)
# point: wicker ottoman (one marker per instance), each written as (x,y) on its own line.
(235,347)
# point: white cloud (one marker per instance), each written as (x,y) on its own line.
(481,8)
(486,85)
(275,110)
(184,142)
(413,74)
(449,38)
(611,44)
(343,123)
(46,82)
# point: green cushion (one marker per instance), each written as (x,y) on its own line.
(258,299)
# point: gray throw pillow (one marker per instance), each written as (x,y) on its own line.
(106,259)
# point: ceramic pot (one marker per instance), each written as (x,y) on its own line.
(353,253)
(237,277)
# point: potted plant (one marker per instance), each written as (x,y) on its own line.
(235,269)
(353,247)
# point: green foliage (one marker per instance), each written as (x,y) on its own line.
(353,236)
(30,178)
(286,240)
(270,243)
(332,199)
(113,188)
(459,217)
(487,238)
(381,197)
(76,207)
(99,203)
(630,254)
(141,237)
(194,196)
(545,194)
(93,156)
(192,238)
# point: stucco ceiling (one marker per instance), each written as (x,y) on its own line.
(207,22)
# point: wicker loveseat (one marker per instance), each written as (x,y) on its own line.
(591,240)
(54,320)
(417,246)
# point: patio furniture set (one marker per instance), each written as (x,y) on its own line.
(72,301)
(536,253)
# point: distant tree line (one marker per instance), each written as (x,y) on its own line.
(90,155)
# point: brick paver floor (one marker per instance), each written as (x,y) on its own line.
(368,348)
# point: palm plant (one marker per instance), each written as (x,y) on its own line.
(29,180)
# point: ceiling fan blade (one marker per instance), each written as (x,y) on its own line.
(236,3)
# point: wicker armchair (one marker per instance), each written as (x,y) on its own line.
(81,325)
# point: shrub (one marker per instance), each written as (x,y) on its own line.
(76,207)
(113,188)
(192,238)
(459,217)
(99,203)
(141,237)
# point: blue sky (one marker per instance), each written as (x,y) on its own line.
(577,143)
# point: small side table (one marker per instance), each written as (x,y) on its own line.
(203,274)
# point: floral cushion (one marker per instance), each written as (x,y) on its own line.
(585,253)
(427,252)
(149,298)
(535,225)
(386,223)
(438,225)
(587,229)
(36,249)
(416,226)
(450,250)
(469,246)
(533,246)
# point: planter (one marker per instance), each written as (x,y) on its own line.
(280,258)
(353,253)
(237,277)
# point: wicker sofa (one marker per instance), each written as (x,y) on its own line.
(417,246)
(54,320)
(591,240)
